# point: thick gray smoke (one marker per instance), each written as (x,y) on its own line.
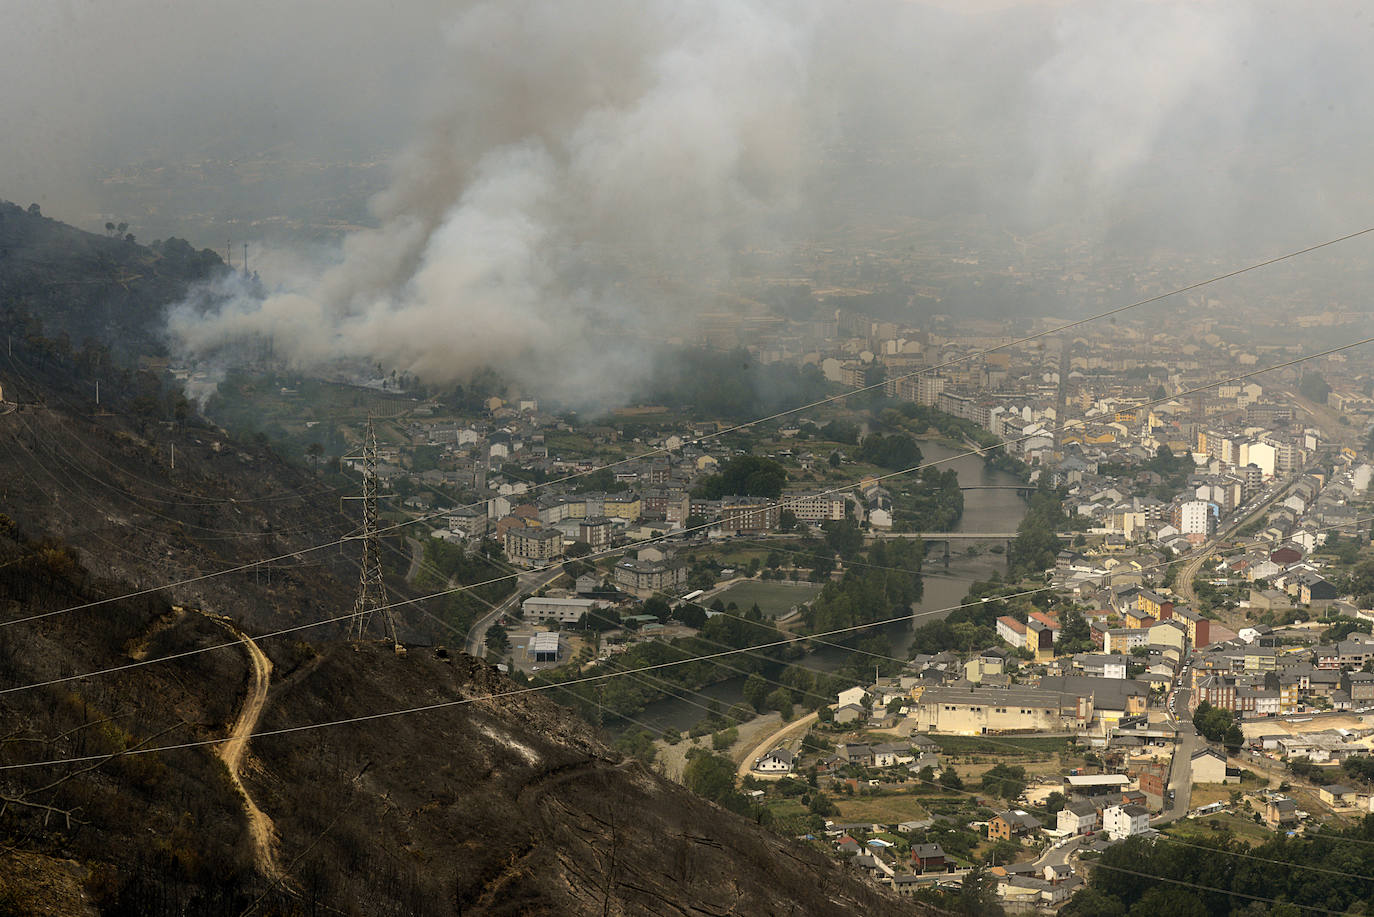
(583,176)
(573,200)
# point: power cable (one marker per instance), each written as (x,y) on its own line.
(783,503)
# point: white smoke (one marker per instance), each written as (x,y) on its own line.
(591,171)
(580,186)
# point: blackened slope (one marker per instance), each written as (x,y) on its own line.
(83,285)
(155,834)
(507,806)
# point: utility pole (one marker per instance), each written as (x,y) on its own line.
(371,589)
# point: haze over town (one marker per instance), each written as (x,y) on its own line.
(883,456)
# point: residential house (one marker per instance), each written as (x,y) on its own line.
(530,547)
(1121,822)
(1077,818)
(644,578)
(1100,665)
(1011,630)
(1336,794)
(1209,766)
(888,755)
(1012,823)
(1280,812)
(1360,687)
(777,761)
(849,713)
(855,754)
(928,858)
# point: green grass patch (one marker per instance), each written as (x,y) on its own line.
(786,808)
(1224,824)
(773,599)
(980,745)
(886,809)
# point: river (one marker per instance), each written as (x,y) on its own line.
(945,586)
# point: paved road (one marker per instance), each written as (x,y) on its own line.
(1183,583)
(1058,854)
(1329,421)
(1181,768)
(525,583)
(773,741)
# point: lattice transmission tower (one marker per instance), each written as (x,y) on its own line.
(371,590)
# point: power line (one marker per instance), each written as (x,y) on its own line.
(885,476)
(1247,856)
(585,679)
(750,650)
(1098,864)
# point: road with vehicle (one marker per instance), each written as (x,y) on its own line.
(1185,745)
(1058,853)
(1183,583)
(525,583)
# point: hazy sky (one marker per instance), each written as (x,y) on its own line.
(548,149)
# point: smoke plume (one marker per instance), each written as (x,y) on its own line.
(576,183)
(575,197)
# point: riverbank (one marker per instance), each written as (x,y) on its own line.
(672,759)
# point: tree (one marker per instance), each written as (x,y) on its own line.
(638,744)
(1314,387)
(755,691)
(951,780)
(843,537)
(314,450)
(1074,634)
(781,701)
(657,606)
(896,451)
(822,806)
(498,641)
(787,521)
(744,476)
(713,777)
(691,614)
(1006,781)
(978,894)
(109,229)
(1055,802)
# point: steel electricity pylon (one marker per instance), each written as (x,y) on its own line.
(371,590)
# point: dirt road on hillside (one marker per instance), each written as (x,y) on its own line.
(772,742)
(232,751)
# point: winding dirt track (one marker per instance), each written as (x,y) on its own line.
(232,751)
(771,742)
